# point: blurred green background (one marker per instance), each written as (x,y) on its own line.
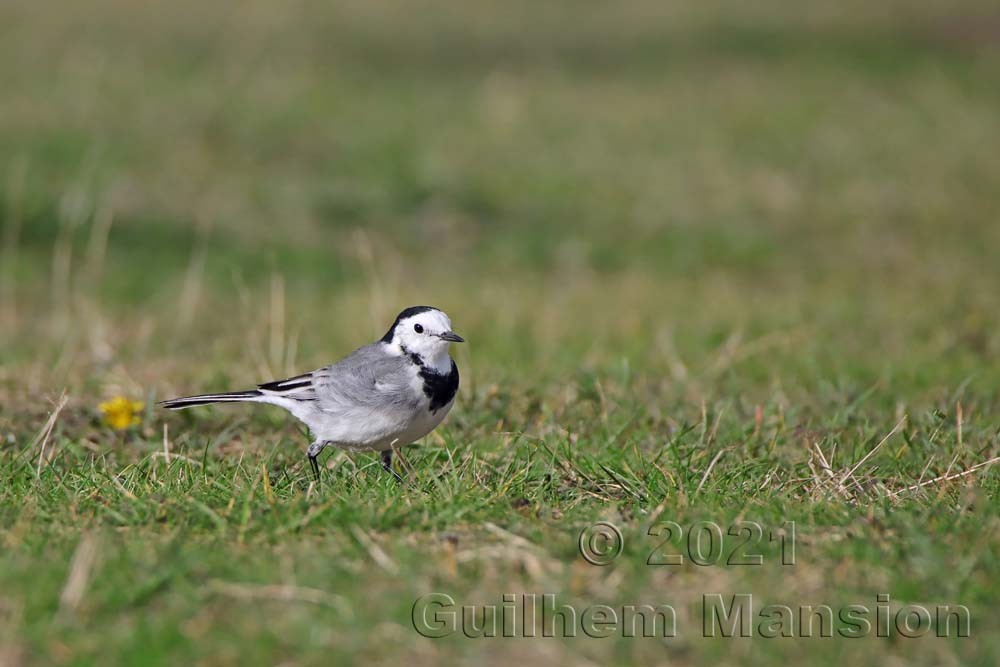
(699,167)
(626,207)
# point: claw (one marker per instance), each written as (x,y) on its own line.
(387,464)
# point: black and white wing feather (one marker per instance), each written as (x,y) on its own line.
(299,388)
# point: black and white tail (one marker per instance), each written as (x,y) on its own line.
(206,399)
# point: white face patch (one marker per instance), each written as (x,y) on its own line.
(420,334)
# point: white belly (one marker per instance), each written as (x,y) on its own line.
(425,422)
(367,430)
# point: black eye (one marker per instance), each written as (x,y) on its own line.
(418,328)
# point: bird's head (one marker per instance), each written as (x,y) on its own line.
(423,331)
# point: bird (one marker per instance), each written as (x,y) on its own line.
(382,396)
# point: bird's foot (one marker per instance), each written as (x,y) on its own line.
(386,457)
(313,454)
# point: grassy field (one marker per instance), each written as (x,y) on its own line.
(722,265)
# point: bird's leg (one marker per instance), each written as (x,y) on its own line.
(313,453)
(387,464)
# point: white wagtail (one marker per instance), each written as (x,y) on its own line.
(382,396)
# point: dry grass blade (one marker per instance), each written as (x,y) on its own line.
(79,574)
(175,457)
(190,293)
(376,552)
(510,537)
(279,592)
(166,444)
(831,476)
(708,471)
(948,477)
(121,487)
(515,548)
(854,468)
(46,432)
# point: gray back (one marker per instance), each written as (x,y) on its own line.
(369,377)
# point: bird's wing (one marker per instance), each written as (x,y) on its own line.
(367,378)
(300,387)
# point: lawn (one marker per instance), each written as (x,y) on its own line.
(729,284)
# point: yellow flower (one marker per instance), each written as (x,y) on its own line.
(121,413)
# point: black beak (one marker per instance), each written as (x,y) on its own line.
(451,337)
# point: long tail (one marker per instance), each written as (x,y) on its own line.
(206,399)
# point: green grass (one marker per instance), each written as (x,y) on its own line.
(707,258)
